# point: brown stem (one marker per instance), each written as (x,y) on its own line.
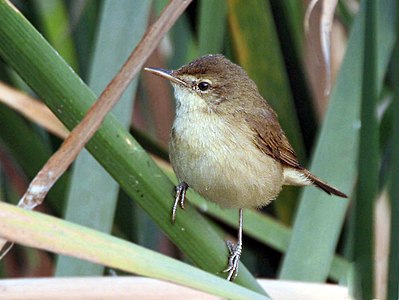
(81,134)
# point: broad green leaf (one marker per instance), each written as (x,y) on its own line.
(121,27)
(184,44)
(345,13)
(319,218)
(393,268)
(257,48)
(68,97)
(84,19)
(258,226)
(368,164)
(45,232)
(288,16)
(291,12)
(30,161)
(258,51)
(212,23)
(53,16)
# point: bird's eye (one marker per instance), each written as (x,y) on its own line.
(203,85)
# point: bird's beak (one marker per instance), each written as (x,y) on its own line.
(167,74)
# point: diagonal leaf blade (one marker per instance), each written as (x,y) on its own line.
(38,230)
(63,91)
(88,179)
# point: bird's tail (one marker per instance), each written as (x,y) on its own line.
(323,185)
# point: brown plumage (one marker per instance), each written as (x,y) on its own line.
(275,144)
(226,142)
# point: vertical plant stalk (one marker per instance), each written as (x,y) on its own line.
(367,187)
(311,247)
(393,271)
(82,133)
(88,179)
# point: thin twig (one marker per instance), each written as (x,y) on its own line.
(82,133)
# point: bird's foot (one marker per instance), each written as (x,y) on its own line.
(180,198)
(234,259)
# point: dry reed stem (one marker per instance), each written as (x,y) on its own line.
(81,134)
(134,287)
(32,109)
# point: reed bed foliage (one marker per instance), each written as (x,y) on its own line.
(64,53)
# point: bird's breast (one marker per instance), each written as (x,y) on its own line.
(220,161)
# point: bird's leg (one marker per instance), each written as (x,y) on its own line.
(235,251)
(180,197)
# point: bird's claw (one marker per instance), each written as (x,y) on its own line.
(180,198)
(234,260)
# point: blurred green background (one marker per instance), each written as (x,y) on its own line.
(349,137)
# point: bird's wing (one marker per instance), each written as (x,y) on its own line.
(270,138)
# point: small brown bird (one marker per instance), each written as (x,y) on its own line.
(227,144)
